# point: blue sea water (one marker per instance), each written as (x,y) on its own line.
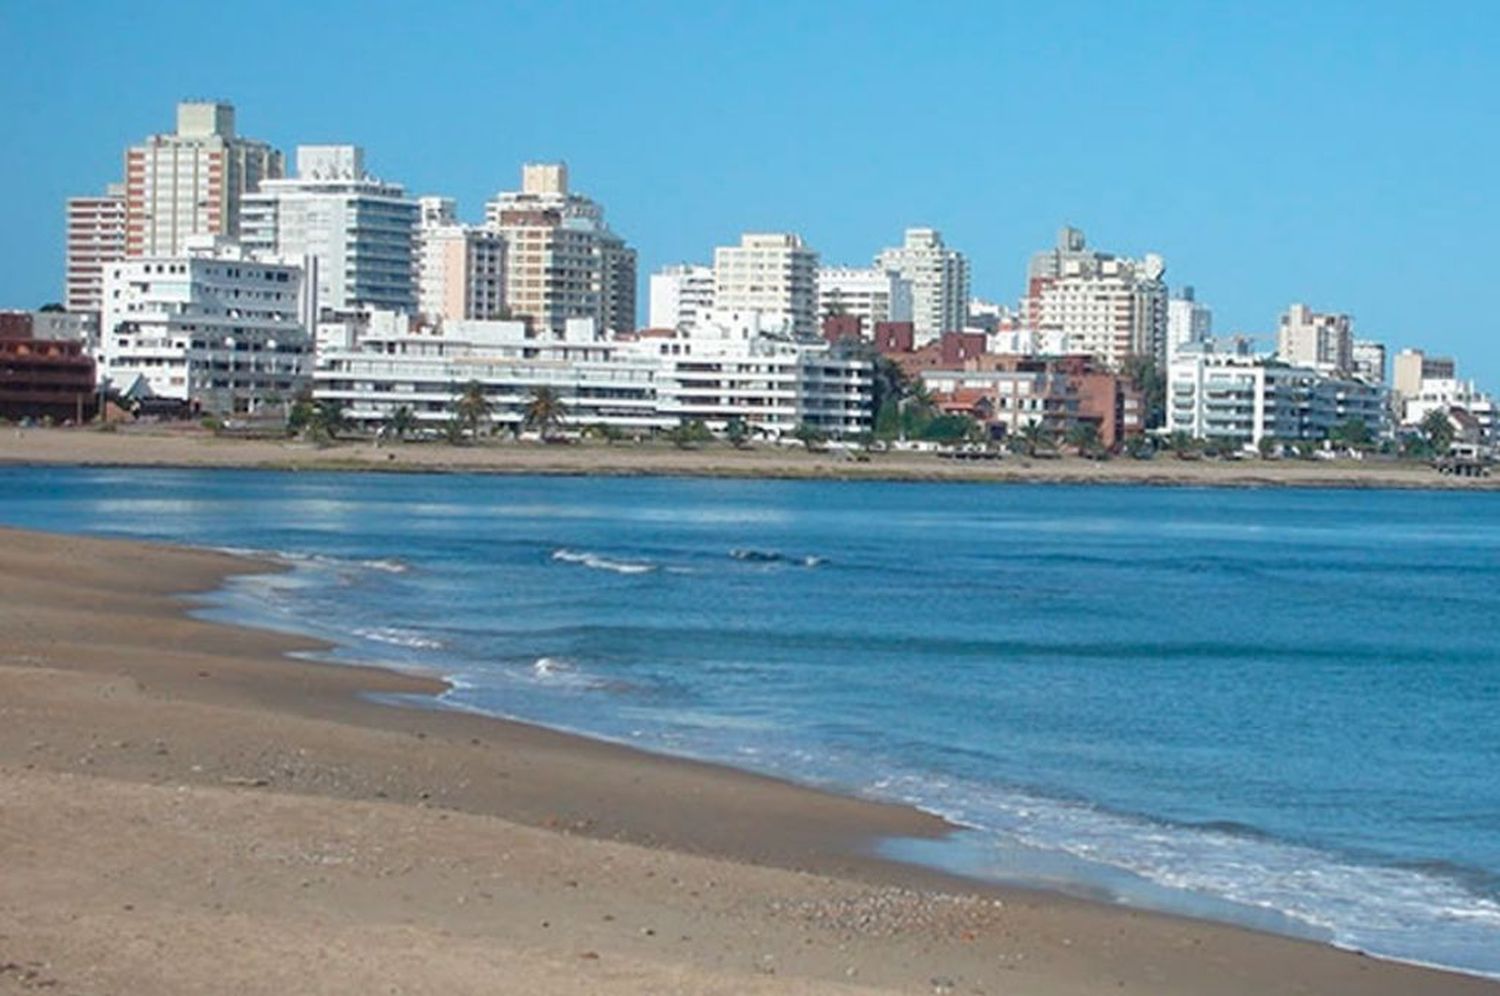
(1280,707)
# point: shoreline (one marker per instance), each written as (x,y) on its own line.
(192,448)
(237,703)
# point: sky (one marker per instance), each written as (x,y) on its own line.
(1338,154)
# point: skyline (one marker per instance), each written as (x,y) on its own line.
(1348,189)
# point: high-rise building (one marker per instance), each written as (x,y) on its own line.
(95,238)
(1369,360)
(1105,306)
(562,261)
(871,295)
(362,231)
(460,268)
(680,295)
(939,279)
(1188,322)
(212,327)
(1312,339)
(192,181)
(775,274)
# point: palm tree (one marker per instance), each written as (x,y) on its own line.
(1183,444)
(1035,435)
(810,436)
(689,434)
(544,411)
(403,421)
(323,422)
(472,408)
(1084,437)
(737,432)
(1438,429)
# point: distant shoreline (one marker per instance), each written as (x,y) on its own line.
(198,449)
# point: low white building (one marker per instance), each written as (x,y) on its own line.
(386,364)
(750,365)
(215,327)
(1447,393)
(1250,398)
(744,366)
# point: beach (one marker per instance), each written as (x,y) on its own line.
(189,446)
(186,808)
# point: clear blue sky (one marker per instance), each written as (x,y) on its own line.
(1341,154)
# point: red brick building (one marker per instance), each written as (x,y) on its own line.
(43,378)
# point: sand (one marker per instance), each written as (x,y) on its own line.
(186,809)
(164,446)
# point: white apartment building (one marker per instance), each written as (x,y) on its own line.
(1250,398)
(362,231)
(868,293)
(774,273)
(1189,322)
(212,326)
(388,365)
(990,317)
(729,366)
(1105,306)
(460,268)
(752,365)
(95,238)
(192,182)
(1445,394)
(939,279)
(680,295)
(1308,338)
(562,261)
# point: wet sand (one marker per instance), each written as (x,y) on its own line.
(150,446)
(185,809)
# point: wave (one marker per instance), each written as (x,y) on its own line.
(601,563)
(1396,911)
(563,673)
(775,557)
(386,565)
(396,636)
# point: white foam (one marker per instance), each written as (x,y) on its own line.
(1387,911)
(600,563)
(399,637)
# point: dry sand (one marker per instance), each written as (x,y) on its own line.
(185,809)
(165,446)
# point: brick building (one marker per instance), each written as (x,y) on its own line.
(43,378)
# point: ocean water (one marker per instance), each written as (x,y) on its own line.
(1278,707)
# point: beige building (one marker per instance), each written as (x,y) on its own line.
(1098,304)
(562,261)
(775,274)
(95,238)
(1308,338)
(1411,367)
(460,268)
(191,182)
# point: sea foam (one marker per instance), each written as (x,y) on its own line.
(600,563)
